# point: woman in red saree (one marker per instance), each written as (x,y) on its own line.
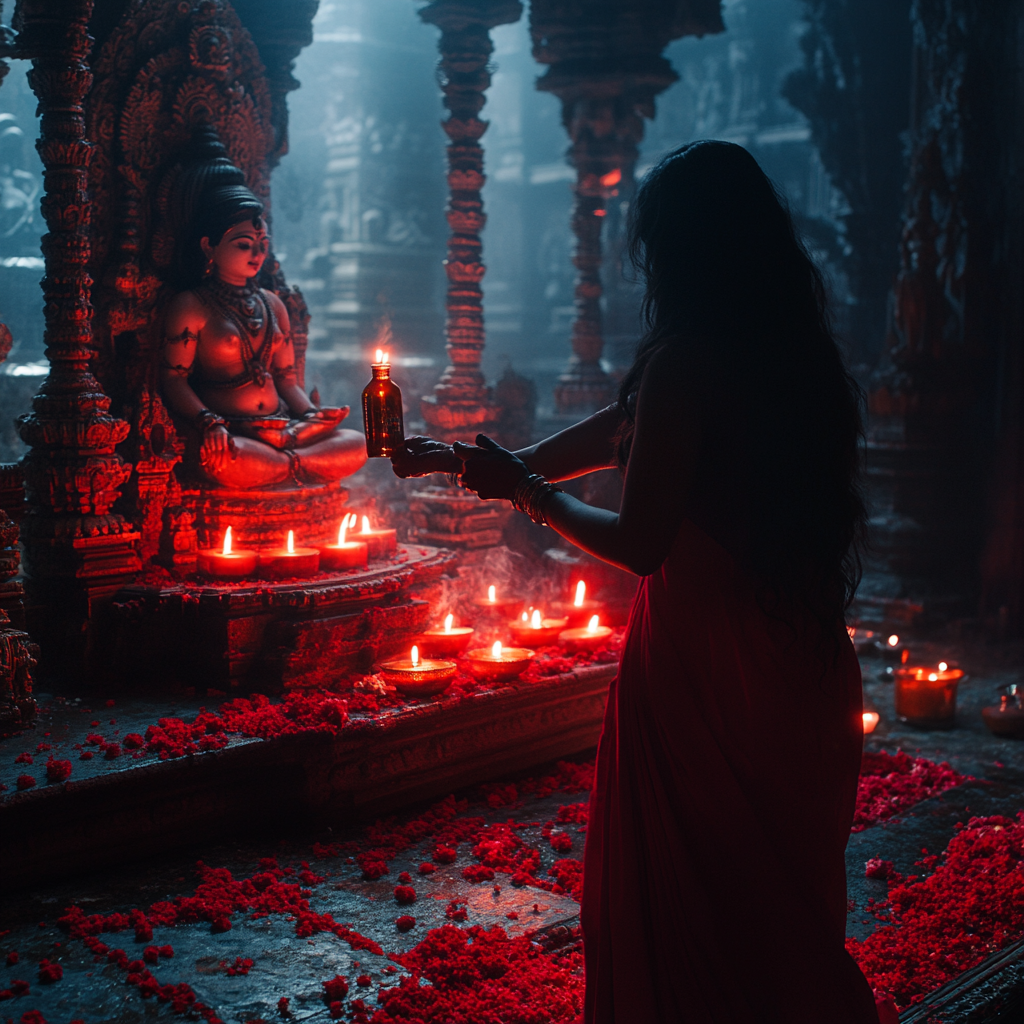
(714,880)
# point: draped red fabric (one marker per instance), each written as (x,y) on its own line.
(714,884)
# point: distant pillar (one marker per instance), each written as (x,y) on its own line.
(606,66)
(77,552)
(462,406)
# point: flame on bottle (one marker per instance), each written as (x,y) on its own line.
(593,624)
(943,666)
(496,649)
(414,655)
(227,541)
(448,620)
(380,356)
(291,542)
(581,592)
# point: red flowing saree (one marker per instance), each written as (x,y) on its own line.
(714,883)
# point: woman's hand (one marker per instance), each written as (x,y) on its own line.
(420,456)
(218,447)
(489,469)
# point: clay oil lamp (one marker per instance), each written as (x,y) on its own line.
(581,608)
(418,677)
(497,662)
(870,721)
(585,638)
(346,554)
(226,563)
(289,560)
(380,542)
(1008,718)
(495,602)
(926,697)
(532,628)
(448,642)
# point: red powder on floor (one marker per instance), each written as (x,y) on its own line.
(241,966)
(24,758)
(282,1004)
(336,988)
(25,782)
(57,771)
(890,783)
(405,894)
(405,923)
(12,958)
(49,972)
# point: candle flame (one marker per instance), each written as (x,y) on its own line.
(385,359)
(581,592)
(227,541)
(448,620)
(291,542)
(592,624)
(366,524)
(932,677)
(414,655)
(870,719)
(380,355)
(943,666)
(492,594)
(535,619)
(496,649)
(526,617)
(893,640)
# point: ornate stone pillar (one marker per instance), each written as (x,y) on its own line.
(77,551)
(606,66)
(462,406)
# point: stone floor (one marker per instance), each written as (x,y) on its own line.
(295,967)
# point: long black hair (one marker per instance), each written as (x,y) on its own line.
(725,269)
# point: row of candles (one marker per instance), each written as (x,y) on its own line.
(429,669)
(228,562)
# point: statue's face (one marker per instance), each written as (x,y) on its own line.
(239,255)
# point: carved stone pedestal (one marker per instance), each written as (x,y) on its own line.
(274,636)
(262,518)
(457,519)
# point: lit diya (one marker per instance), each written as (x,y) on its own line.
(226,563)
(585,638)
(346,554)
(447,642)
(418,677)
(870,721)
(581,609)
(289,560)
(380,542)
(498,662)
(531,627)
(494,602)
(926,697)
(892,648)
(1008,718)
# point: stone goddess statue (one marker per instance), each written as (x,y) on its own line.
(227,366)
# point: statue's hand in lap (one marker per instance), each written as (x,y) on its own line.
(420,456)
(218,447)
(489,469)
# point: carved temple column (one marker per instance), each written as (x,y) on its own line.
(77,551)
(605,64)
(461,406)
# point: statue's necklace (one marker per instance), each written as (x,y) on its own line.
(247,311)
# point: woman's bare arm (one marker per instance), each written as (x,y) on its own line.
(666,442)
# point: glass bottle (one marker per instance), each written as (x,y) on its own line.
(382,411)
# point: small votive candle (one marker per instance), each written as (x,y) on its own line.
(346,554)
(531,627)
(870,721)
(585,638)
(380,542)
(926,697)
(498,662)
(289,560)
(581,608)
(493,601)
(448,642)
(418,677)
(226,563)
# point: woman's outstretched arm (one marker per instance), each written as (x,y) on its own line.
(666,442)
(582,448)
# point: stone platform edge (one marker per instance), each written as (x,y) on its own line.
(373,767)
